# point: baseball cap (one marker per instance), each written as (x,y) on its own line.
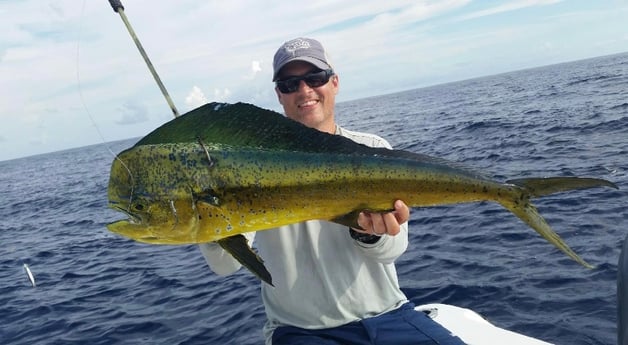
(300,49)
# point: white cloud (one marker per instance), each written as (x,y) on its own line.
(222,51)
(507,7)
(221,95)
(256,68)
(419,11)
(195,98)
(132,113)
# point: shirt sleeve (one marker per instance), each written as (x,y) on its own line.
(218,260)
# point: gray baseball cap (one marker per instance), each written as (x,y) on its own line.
(300,49)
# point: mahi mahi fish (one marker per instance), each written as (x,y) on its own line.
(225,169)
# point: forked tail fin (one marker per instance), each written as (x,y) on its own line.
(535,187)
(528,213)
(549,185)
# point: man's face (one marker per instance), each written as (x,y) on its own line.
(312,106)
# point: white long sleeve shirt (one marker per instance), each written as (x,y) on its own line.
(323,278)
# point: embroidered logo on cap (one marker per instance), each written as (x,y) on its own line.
(292,47)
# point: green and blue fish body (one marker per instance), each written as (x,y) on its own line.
(223,170)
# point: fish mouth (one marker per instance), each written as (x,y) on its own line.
(126,227)
(132,219)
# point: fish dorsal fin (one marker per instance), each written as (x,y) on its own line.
(246,125)
(239,125)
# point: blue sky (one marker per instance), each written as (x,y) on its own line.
(69,71)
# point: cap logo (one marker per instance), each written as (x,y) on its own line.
(292,47)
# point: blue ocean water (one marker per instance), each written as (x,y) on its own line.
(94,287)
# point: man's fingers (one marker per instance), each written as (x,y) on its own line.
(384,223)
(364,221)
(402,212)
(391,223)
(379,223)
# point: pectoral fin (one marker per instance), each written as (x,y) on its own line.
(239,248)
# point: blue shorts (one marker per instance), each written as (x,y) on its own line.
(397,327)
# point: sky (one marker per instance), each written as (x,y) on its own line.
(71,76)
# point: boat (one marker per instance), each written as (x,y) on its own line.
(472,328)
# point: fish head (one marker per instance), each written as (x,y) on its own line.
(156,221)
(157,212)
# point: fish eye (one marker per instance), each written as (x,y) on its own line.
(138,207)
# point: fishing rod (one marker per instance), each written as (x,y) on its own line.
(117,7)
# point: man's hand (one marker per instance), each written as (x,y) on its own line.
(384,223)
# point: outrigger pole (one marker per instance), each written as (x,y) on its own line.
(117,7)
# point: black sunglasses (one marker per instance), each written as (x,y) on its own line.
(312,79)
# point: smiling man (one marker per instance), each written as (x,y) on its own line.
(333,285)
(311,102)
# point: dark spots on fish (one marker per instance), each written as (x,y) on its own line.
(172,157)
(485,190)
(200,217)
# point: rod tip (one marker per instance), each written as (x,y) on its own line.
(116,5)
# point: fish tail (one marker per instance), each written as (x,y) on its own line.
(534,187)
(529,214)
(549,185)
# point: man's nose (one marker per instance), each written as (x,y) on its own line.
(303,86)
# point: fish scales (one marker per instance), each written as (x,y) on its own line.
(223,170)
(234,193)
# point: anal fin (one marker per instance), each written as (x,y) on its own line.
(238,247)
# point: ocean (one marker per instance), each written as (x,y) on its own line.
(571,119)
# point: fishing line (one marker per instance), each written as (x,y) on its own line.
(78,80)
(117,7)
(84,104)
(25,266)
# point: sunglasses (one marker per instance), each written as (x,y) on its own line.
(312,79)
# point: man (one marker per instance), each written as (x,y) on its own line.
(333,285)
